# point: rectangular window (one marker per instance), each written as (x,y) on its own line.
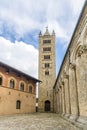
(12,83)
(30,89)
(0,80)
(18,104)
(46,41)
(22,86)
(47,49)
(47,65)
(47,57)
(46,72)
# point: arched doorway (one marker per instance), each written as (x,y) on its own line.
(47,105)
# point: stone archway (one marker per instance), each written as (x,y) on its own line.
(47,105)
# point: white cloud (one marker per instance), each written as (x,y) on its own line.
(76,6)
(28,15)
(19,55)
(24,16)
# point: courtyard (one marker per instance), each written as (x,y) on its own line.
(36,121)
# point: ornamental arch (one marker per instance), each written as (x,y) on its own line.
(22,85)
(85,37)
(81,72)
(13,83)
(74,53)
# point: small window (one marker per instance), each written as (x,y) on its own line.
(30,89)
(0,80)
(46,41)
(47,49)
(46,72)
(18,104)
(12,84)
(47,57)
(22,86)
(47,65)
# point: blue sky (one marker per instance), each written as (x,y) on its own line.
(21,22)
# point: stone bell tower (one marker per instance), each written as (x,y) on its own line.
(47,70)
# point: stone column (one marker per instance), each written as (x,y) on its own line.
(73,92)
(63,99)
(67,95)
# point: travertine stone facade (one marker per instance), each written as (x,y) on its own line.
(17,91)
(72,77)
(47,70)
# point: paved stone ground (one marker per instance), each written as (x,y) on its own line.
(37,121)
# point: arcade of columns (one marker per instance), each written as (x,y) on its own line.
(70,89)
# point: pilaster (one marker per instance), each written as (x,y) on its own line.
(73,92)
(67,94)
(63,99)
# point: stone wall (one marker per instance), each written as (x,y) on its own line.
(9,96)
(71,82)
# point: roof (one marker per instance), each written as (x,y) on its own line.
(85,4)
(20,73)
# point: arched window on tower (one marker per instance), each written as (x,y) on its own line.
(12,83)
(0,80)
(46,72)
(47,65)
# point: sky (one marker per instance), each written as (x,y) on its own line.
(21,22)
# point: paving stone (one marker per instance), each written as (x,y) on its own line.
(36,121)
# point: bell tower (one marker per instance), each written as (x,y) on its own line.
(47,70)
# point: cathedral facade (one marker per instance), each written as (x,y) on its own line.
(70,88)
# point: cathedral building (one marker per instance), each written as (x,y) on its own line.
(17,91)
(70,88)
(47,70)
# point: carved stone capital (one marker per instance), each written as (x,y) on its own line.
(81,50)
(65,74)
(57,89)
(62,82)
(72,66)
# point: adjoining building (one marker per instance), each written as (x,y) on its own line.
(17,91)
(70,89)
(47,71)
